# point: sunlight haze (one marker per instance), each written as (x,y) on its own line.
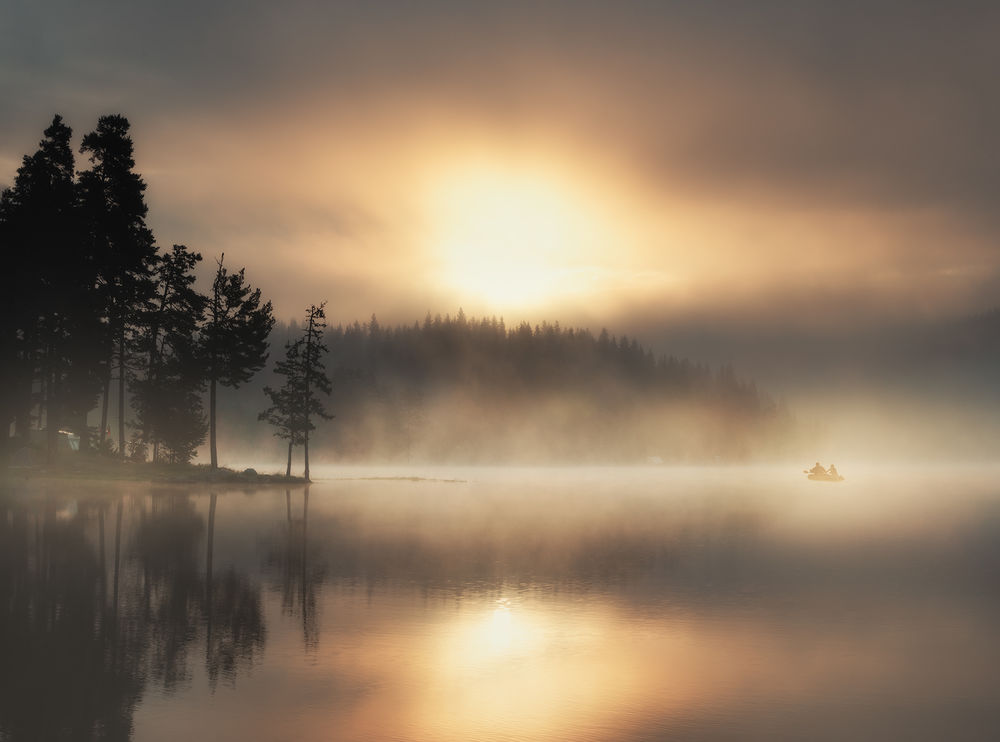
(499,371)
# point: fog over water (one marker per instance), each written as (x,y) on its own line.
(914,392)
(588,286)
(472,603)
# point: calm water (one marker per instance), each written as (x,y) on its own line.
(516,605)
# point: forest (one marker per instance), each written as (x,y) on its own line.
(94,310)
(105,335)
(466,390)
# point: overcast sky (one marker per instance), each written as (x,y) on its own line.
(630,164)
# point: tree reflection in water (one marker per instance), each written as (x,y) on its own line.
(70,667)
(77,660)
(298,570)
(164,545)
(234,621)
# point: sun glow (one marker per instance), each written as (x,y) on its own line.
(508,239)
(498,636)
(520,669)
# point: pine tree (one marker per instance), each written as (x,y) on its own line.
(314,373)
(285,411)
(114,212)
(47,304)
(29,211)
(167,400)
(296,403)
(234,338)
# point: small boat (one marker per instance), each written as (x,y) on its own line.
(824,477)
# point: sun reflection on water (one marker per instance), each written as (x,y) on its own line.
(501,627)
(521,667)
(504,631)
(728,632)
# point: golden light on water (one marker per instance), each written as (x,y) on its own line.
(643,657)
(496,636)
(519,668)
(501,629)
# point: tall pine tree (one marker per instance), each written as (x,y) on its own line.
(296,403)
(167,400)
(285,412)
(234,338)
(114,210)
(48,314)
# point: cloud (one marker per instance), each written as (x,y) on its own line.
(825,156)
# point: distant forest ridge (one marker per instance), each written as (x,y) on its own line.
(445,350)
(474,390)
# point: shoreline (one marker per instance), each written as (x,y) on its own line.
(129,471)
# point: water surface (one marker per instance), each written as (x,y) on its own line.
(583,604)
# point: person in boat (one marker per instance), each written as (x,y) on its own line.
(833,472)
(818,470)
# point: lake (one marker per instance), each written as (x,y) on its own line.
(511,604)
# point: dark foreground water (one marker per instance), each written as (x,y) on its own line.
(518,605)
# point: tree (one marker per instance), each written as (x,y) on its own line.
(167,400)
(284,412)
(48,314)
(175,420)
(313,374)
(234,338)
(114,211)
(33,213)
(296,403)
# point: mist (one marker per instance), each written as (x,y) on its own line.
(920,389)
(432,393)
(467,370)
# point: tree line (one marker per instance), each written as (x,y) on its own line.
(93,310)
(448,350)
(461,389)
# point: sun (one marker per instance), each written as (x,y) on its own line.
(510,239)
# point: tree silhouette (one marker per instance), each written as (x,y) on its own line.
(313,373)
(86,299)
(114,210)
(295,404)
(48,314)
(284,413)
(168,400)
(234,338)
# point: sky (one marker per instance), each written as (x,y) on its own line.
(654,167)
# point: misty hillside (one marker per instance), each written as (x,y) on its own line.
(476,391)
(931,357)
(916,388)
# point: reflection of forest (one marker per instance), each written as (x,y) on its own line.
(72,665)
(452,545)
(101,597)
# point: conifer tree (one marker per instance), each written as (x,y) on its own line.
(313,373)
(296,403)
(285,411)
(29,210)
(167,400)
(233,339)
(47,291)
(114,212)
